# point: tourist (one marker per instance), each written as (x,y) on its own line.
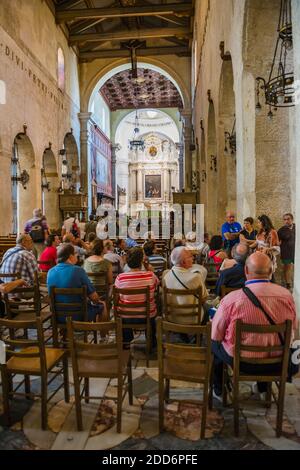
(90,226)
(287,237)
(20,259)
(230,232)
(50,252)
(277,301)
(38,229)
(66,275)
(248,234)
(267,240)
(235,275)
(110,255)
(136,278)
(216,254)
(96,263)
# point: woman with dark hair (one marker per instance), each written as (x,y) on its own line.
(248,234)
(216,252)
(96,263)
(267,240)
(49,254)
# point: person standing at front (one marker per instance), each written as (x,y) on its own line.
(230,232)
(287,238)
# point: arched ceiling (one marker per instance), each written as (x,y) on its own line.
(108,28)
(149,90)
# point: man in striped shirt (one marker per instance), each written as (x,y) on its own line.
(137,279)
(276,300)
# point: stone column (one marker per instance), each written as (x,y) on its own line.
(114,149)
(180,147)
(166,185)
(187,139)
(139,190)
(84,151)
(296,136)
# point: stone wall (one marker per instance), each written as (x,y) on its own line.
(29,40)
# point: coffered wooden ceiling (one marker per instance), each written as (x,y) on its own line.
(149,89)
(108,29)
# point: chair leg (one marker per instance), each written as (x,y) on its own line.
(129,376)
(148,347)
(161,404)
(224,385)
(119,405)
(44,401)
(269,395)
(167,390)
(78,403)
(27,386)
(280,405)
(86,389)
(204,410)
(210,395)
(5,397)
(66,379)
(236,406)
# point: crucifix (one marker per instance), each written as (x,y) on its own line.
(133,46)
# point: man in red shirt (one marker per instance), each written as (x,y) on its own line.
(276,300)
(50,253)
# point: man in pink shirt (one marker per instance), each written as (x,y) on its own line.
(276,300)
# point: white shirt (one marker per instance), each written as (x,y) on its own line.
(69,222)
(114,258)
(190,280)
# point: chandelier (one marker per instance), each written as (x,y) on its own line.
(136,143)
(279,88)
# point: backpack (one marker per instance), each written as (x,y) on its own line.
(37,231)
(74,229)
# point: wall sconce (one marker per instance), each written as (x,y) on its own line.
(64,170)
(44,182)
(230,141)
(203,176)
(213,163)
(19,176)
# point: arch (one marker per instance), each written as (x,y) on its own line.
(50,199)
(227,160)
(211,173)
(100,77)
(22,195)
(72,158)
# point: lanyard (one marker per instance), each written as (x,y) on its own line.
(256,281)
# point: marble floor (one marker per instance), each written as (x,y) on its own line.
(140,421)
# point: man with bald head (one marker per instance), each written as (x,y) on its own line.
(235,276)
(230,231)
(276,300)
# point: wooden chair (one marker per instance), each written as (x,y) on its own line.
(116,269)
(159,267)
(285,329)
(188,313)
(61,310)
(46,263)
(99,281)
(134,309)
(30,357)
(189,363)
(99,360)
(226,290)
(212,275)
(24,303)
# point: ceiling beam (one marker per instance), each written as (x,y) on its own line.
(144,10)
(67,4)
(147,51)
(145,33)
(83,25)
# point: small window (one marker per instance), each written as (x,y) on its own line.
(61,69)
(2,92)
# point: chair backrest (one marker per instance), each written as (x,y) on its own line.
(131,302)
(80,348)
(49,263)
(100,282)
(10,275)
(159,266)
(178,307)
(71,302)
(23,300)
(226,290)
(22,347)
(116,269)
(276,354)
(197,358)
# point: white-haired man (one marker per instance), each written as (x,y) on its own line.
(181,277)
(38,229)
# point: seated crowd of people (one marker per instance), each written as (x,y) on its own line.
(239,257)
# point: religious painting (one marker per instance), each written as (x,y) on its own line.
(152,186)
(100,152)
(61,69)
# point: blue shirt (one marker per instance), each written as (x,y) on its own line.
(131,243)
(232,277)
(66,275)
(230,228)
